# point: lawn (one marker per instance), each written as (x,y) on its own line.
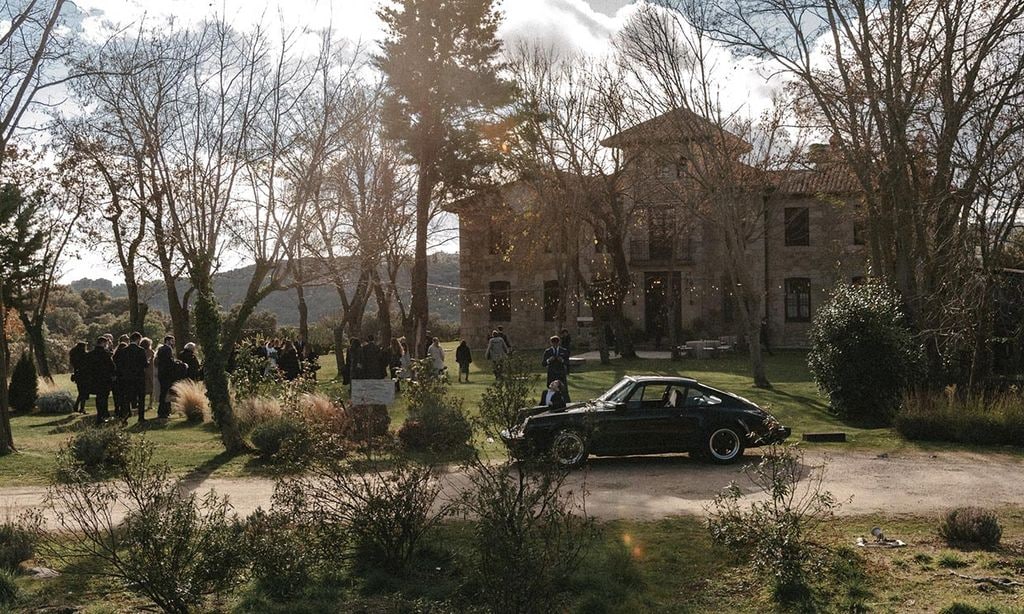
(794,399)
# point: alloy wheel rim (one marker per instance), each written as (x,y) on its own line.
(724,444)
(568,448)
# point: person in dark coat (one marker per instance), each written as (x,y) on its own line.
(167,371)
(372,360)
(556,359)
(352,361)
(288,361)
(120,392)
(463,356)
(552,398)
(98,376)
(191,360)
(130,363)
(77,359)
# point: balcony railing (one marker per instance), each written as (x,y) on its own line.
(679,250)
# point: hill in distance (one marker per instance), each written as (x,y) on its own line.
(321,300)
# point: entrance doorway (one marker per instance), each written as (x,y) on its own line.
(657,308)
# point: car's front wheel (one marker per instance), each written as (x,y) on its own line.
(569,448)
(723,445)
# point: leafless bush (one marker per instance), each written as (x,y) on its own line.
(380,514)
(778,531)
(174,548)
(531,535)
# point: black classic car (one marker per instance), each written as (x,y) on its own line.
(647,415)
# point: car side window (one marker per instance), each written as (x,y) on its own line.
(648,396)
(695,397)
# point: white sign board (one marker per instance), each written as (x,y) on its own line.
(373,392)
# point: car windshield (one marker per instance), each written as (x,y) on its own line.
(618,392)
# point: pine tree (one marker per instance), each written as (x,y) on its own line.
(440,60)
(21,243)
(24,388)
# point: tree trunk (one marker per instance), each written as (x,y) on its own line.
(419,308)
(208,329)
(757,369)
(339,348)
(6,434)
(37,339)
(383,308)
(303,314)
(136,309)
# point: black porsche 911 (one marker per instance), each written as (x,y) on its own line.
(647,415)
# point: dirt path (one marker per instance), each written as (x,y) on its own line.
(655,487)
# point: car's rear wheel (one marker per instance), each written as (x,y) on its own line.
(569,448)
(723,445)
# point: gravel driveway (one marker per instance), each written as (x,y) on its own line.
(655,487)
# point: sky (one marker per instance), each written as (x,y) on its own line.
(586,26)
(582,25)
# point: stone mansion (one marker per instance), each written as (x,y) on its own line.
(514,272)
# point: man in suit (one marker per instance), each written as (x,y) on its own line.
(119,391)
(98,376)
(556,359)
(131,362)
(166,373)
(552,397)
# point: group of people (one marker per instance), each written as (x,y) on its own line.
(368,360)
(291,359)
(132,372)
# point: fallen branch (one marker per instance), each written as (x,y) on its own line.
(1005,584)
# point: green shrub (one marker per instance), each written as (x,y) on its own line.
(380,515)
(282,556)
(778,532)
(97,450)
(17,544)
(976,420)
(863,356)
(530,536)
(281,437)
(56,402)
(971,525)
(24,388)
(8,588)
(952,560)
(502,400)
(174,548)
(436,422)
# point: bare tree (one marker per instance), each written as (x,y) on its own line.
(28,47)
(923,100)
(363,219)
(723,158)
(566,109)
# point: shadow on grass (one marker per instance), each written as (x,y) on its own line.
(197,475)
(59,422)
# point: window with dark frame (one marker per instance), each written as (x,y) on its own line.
(798,299)
(682,167)
(600,240)
(859,232)
(552,298)
(501,301)
(798,226)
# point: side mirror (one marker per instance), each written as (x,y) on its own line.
(620,406)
